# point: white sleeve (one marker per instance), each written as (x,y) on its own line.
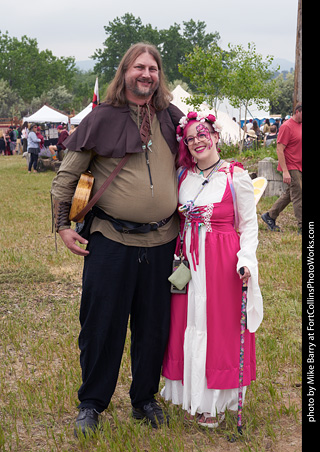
(248,229)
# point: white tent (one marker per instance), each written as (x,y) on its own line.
(47,114)
(179,96)
(79,117)
(231,132)
(253,112)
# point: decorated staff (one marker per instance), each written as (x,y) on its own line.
(243,322)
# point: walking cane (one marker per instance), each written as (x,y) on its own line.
(242,333)
(259,184)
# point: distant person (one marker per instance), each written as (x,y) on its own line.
(39,135)
(266,126)
(248,126)
(59,148)
(24,136)
(33,148)
(19,146)
(271,136)
(256,128)
(251,139)
(2,143)
(13,140)
(289,150)
(7,141)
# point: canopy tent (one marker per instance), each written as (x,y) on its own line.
(231,132)
(253,111)
(79,117)
(47,114)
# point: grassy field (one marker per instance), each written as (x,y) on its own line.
(39,357)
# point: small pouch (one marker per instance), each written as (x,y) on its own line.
(180,277)
(83,228)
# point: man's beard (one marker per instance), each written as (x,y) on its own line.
(141,93)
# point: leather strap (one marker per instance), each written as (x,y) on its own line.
(130,227)
(147,114)
(103,187)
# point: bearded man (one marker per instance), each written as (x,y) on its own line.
(128,257)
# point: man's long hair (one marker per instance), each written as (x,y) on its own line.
(116,90)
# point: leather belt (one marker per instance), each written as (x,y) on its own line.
(130,227)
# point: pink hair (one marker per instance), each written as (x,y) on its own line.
(185,158)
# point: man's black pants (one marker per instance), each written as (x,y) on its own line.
(121,281)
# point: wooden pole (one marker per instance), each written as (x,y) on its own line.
(297,95)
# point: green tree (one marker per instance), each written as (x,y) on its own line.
(172,50)
(195,34)
(207,70)
(10,101)
(29,71)
(121,34)
(176,45)
(82,89)
(283,99)
(60,98)
(249,78)
(172,43)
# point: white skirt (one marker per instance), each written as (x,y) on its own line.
(211,401)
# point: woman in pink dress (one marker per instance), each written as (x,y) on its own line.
(201,364)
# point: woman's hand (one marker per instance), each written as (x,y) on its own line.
(246,274)
(70,237)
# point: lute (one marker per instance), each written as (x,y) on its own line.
(81,203)
(81,195)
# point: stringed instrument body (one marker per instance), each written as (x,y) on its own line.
(81,195)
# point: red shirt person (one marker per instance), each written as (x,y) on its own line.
(289,150)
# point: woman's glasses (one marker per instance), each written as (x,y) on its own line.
(189,141)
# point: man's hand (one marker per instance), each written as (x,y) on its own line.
(286,177)
(70,237)
(282,161)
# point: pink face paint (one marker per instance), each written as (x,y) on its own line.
(203,129)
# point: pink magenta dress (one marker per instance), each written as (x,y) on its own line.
(201,363)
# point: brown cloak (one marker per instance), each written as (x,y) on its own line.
(111,132)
